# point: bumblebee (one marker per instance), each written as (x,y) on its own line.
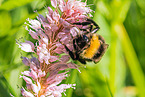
(88,46)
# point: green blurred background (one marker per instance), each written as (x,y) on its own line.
(121,71)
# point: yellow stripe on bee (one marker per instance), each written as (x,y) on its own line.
(94,46)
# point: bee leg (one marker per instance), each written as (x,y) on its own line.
(87,22)
(74,44)
(82,61)
(82,23)
(79,59)
(83,29)
(93,22)
(95,30)
(91,27)
(70,52)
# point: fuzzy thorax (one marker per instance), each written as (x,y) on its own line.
(93,48)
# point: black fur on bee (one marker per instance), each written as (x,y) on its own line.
(88,46)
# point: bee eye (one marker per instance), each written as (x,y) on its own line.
(85,38)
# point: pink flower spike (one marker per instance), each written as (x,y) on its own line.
(33,66)
(28,86)
(49,18)
(65,23)
(61,5)
(62,87)
(35,61)
(26,61)
(41,17)
(54,3)
(33,74)
(12,95)
(53,58)
(39,85)
(33,34)
(43,53)
(43,37)
(65,58)
(35,88)
(40,73)
(43,96)
(57,79)
(26,93)
(35,24)
(26,73)
(50,11)
(50,32)
(27,80)
(27,46)
(74,31)
(56,94)
(56,16)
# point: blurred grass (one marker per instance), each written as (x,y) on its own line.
(120,73)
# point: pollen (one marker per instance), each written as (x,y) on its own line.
(94,46)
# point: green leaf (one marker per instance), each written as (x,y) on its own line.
(14,81)
(1,2)
(141,4)
(131,58)
(94,82)
(3,89)
(11,4)
(5,23)
(123,10)
(71,80)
